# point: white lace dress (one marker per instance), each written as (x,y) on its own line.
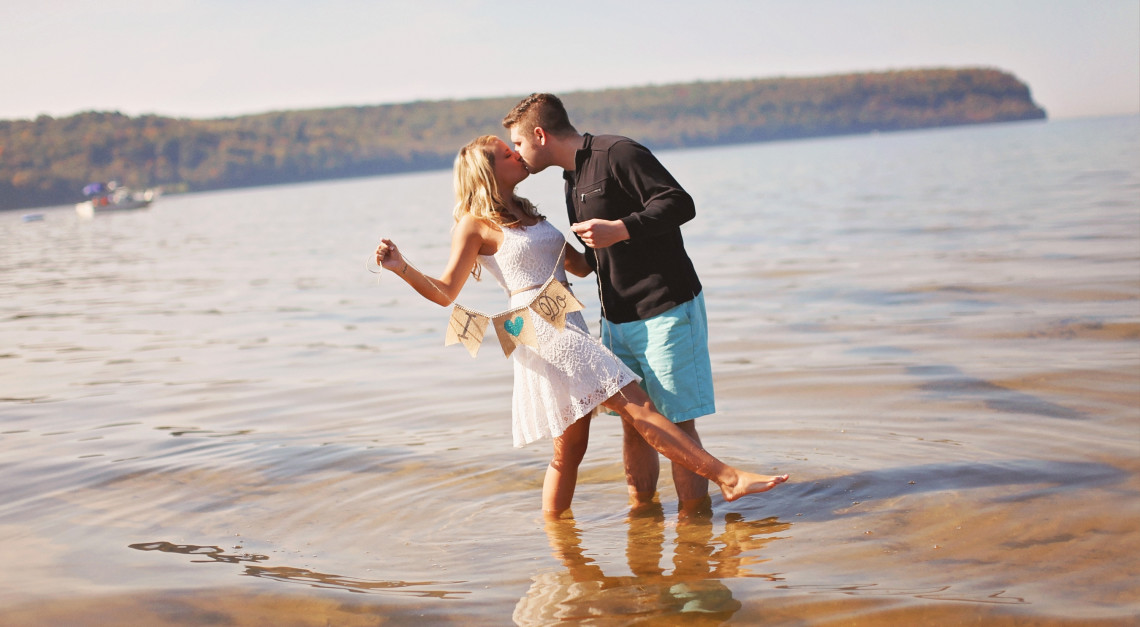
(570,373)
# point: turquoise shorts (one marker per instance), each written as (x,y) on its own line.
(670,352)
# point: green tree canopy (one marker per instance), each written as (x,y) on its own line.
(48,160)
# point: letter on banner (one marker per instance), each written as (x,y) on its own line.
(554,302)
(466,327)
(515,328)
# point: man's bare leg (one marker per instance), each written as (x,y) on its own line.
(692,489)
(642,467)
(635,407)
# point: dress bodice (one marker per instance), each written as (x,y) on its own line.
(527,257)
(565,373)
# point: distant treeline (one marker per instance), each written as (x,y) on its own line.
(48,160)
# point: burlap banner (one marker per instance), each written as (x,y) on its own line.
(466,326)
(553,302)
(515,327)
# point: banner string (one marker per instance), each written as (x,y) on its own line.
(470,332)
(370,263)
(552,301)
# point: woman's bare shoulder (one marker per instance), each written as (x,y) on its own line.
(488,235)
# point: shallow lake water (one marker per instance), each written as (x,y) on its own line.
(212,413)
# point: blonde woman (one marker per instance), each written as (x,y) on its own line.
(558,385)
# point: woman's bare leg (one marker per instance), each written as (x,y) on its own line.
(562,473)
(634,406)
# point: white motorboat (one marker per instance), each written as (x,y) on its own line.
(113,197)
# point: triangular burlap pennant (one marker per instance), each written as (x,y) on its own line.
(466,327)
(515,328)
(554,302)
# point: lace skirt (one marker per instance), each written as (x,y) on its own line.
(566,378)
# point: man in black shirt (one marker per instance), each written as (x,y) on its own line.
(628,209)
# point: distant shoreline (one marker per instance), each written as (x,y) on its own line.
(47,161)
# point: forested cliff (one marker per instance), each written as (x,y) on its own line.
(48,160)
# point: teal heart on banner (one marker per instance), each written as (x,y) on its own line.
(514,327)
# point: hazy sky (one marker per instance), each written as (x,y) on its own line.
(212,58)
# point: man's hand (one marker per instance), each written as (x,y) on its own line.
(601,233)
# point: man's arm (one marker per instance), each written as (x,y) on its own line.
(665,205)
(597,233)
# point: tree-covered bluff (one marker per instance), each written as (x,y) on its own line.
(48,160)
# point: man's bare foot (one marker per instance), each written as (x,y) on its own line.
(641,501)
(750,483)
(695,510)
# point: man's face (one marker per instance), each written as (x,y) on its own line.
(531,148)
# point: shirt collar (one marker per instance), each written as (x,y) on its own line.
(580,156)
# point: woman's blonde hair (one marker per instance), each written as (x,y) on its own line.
(476,191)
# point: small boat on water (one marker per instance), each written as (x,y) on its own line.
(111,196)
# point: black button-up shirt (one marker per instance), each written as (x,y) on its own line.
(615,178)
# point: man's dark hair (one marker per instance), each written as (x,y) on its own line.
(540,110)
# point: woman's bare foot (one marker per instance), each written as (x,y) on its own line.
(750,483)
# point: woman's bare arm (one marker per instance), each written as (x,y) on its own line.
(575,262)
(466,241)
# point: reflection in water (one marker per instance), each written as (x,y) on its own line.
(301,575)
(694,588)
(936,593)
